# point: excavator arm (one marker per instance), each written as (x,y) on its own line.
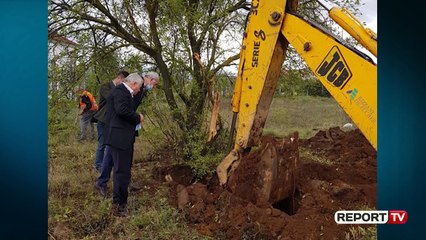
(348,74)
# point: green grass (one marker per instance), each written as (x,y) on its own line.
(304,114)
(75,211)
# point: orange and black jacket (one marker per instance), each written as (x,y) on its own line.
(87,102)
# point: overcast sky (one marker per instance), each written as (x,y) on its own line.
(369,14)
(369,17)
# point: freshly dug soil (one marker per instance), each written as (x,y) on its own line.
(268,174)
(335,170)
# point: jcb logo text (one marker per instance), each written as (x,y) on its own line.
(334,68)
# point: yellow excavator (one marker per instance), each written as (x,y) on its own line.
(346,72)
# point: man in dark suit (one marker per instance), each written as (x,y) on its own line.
(150,81)
(100,115)
(121,121)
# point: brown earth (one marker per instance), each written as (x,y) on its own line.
(336,170)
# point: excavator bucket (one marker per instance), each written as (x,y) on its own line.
(228,165)
(268,174)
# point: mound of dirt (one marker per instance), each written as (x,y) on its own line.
(267,174)
(336,170)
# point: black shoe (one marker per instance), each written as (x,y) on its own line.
(134,188)
(101,190)
(120,210)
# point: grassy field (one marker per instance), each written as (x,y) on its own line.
(306,115)
(76,212)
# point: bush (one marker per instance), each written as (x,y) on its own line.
(189,147)
(300,83)
(62,114)
(202,157)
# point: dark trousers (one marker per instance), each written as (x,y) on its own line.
(101,146)
(122,160)
(106,167)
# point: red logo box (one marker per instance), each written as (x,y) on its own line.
(397,217)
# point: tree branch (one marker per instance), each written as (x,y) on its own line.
(120,30)
(225,63)
(136,29)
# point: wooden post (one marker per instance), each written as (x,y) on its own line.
(214,117)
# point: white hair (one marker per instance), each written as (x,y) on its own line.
(134,78)
(152,75)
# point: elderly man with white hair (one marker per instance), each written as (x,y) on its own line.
(150,81)
(121,121)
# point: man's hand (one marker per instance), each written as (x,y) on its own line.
(141,116)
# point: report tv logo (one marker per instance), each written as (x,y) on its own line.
(371,217)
